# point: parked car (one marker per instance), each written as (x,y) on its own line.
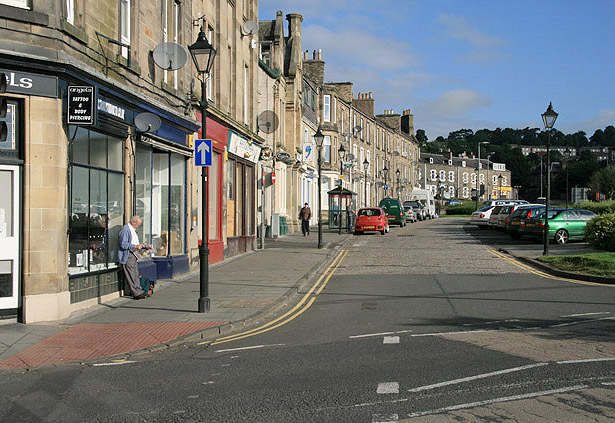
(506,213)
(518,218)
(493,219)
(394,211)
(410,214)
(371,219)
(502,202)
(564,224)
(419,208)
(481,217)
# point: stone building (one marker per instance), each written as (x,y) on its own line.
(81,79)
(451,177)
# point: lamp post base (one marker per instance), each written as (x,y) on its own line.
(204,305)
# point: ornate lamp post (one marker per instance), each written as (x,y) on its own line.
(341,152)
(385,172)
(203,55)
(398,186)
(567,155)
(478,166)
(319,138)
(365,168)
(548,117)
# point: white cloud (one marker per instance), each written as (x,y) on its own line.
(456,103)
(459,28)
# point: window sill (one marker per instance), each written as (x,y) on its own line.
(75,32)
(170,89)
(123,62)
(29,16)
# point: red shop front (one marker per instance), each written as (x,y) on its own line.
(218,133)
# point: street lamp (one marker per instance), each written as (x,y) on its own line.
(319,139)
(478,174)
(203,55)
(500,186)
(385,172)
(548,117)
(365,168)
(397,173)
(567,155)
(341,152)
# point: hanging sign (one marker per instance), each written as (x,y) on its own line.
(273,178)
(80,105)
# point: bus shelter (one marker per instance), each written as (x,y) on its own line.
(342,208)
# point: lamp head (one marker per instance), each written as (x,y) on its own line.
(341,152)
(549,117)
(202,53)
(319,138)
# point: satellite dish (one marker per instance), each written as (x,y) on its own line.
(268,122)
(350,157)
(170,56)
(147,122)
(395,153)
(357,129)
(250,28)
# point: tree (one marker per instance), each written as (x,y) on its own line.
(421,137)
(603,181)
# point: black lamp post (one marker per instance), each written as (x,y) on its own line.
(567,155)
(319,138)
(365,168)
(397,187)
(385,172)
(548,117)
(203,55)
(341,152)
(500,181)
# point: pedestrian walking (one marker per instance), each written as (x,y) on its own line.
(305,214)
(128,244)
(350,215)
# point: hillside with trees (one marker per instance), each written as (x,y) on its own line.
(582,168)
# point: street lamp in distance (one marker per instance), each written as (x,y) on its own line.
(203,55)
(365,168)
(567,155)
(385,172)
(397,186)
(548,117)
(341,152)
(319,139)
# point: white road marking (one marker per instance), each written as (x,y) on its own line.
(580,322)
(385,418)
(586,314)
(379,334)
(608,383)
(388,388)
(497,400)
(391,340)
(211,382)
(461,332)
(115,363)
(249,348)
(589,360)
(481,376)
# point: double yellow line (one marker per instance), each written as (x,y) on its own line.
(305,303)
(540,273)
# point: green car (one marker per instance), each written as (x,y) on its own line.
(564,224)
(394,211)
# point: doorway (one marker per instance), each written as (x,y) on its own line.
(10,237)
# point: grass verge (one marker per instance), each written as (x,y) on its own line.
(602,264)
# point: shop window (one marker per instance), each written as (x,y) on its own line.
(96,202)
(160,191)
(214,196)
(24,4)
(10,146)
(240,205)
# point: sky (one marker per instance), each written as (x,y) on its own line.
(469,64)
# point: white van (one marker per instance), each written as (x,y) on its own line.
(426,197)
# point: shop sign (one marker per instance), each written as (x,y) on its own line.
(81,105)
(31,84)
(111,109)
(241,147)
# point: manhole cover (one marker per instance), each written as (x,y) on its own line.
(405,235)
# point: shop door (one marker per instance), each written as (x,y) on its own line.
(9,236)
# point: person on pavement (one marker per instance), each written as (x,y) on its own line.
(128,243)
(305,214)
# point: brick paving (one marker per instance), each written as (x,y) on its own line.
(87,341)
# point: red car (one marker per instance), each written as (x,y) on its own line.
(371,219)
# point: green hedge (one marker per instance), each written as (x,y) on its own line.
(462,209)
(598,207)
(600,232)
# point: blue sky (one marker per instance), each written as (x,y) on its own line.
(469,63)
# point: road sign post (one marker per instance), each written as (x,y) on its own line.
(202,152)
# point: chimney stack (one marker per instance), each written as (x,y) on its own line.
(365,104)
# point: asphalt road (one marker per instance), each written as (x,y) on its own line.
(424,324)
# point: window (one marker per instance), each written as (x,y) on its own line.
(125,25)
(326,149)
(361,158)
(265,56)
(361,126)
(465,177)
(433,174)
(451,176)
(70,11)
(210,78)
(24,4)
(327,108)
(465,192)
(443,175)
(342,120)
(369,160)
(96,200)
(170,33)
(160,189)
(463,163)
(334,109)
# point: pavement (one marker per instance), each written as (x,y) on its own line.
(244,291)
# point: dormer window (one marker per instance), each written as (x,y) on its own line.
(431,160)
(450,162)
(463,163)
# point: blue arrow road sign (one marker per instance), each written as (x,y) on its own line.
(386,187)
(202,152)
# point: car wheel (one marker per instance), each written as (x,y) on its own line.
(515,235)
(561,236)
(382,232)
(358,232)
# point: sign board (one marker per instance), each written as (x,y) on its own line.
(202,152)
(30,83)
(241,147)
(273,178)
(80,105)
(386,187)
